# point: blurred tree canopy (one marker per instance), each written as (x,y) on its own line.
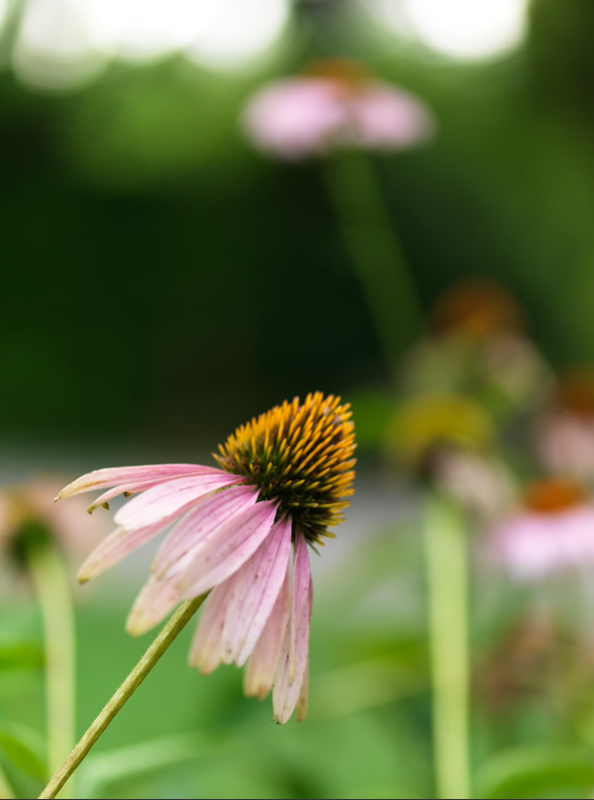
(160,277)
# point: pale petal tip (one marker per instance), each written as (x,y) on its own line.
(137,623)
(203,664)
(87,573)
(63,493)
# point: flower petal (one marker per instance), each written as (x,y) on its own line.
(303,695)
(256,587)
(218,556)
(386,117)
(292,668)
(125,488)
(301,591)
(263,662)
(295,118)
(156,599)
(200,522)
(116,547)
(206,650)
(171,498)
(103,478)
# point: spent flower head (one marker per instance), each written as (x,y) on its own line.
(284,480)
(334,103)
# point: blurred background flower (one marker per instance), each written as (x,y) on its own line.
(30,517)
(334,103)
(549,532)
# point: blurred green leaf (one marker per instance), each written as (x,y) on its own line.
(24,748)
(528,772)
(372,412)
(140,760)
(366,684)
(20,655)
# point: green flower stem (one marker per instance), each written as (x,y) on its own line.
(175,625)
(447,573)
(6,790)
(54,595)
(375,250)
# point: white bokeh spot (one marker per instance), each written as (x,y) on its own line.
(468,28)
(460,29)
(62,44)
(234,33)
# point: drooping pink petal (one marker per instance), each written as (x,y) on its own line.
(295,118)
(170,499)
(532,545)
(300,595)
(125,488)
(293,662)
(385,117)
(201,522)
(219,555)
(303,695)
(116,547)
(157,598)
(206,651)
(104,478)
(262,664)
(256,588)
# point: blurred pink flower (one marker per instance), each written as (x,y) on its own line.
(553,531)
(336,104)
(283,480)
(31,503)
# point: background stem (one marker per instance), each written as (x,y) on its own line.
(54,595)
(447,573)
(376,253)
(6,790)
(177,622)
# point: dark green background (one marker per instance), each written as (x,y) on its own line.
(160,279)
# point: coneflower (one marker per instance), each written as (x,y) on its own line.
(284,478)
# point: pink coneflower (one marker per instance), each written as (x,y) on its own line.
(283,480)
(552,531)
(334,103)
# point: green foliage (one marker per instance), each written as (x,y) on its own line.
(23,748)
(537,772)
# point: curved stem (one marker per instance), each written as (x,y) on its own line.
(175,625)
(52,586)
(447,573)
(376,253)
